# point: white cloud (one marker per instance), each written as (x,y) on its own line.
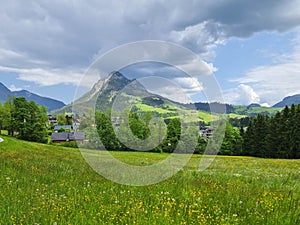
(174,93)
(179,89)
(14,88)
(202,37)
(274,82)
(5,54)
(241,95)
(45,77)
(190,85)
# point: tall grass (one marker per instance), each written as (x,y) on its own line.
(43,184)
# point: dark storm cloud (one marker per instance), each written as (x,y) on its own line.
(70,34)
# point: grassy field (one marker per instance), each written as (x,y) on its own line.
(244,110)
(44,184)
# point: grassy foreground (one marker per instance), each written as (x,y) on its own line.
(43,184)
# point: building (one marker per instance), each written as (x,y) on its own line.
(52,121)
(206,132)
(67,137)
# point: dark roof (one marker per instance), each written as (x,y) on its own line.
(59,136)
(58,127)
(64,136)
(76,136)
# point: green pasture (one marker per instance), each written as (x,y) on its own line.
(46,184)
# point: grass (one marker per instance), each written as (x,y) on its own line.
(207,117)
(44,184)
(243,110)
(237,116)
(148,108)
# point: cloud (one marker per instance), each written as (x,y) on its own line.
(276,81)
(200,37)
(53,42)
(179,89)
(174,93)
(190,85)
(45,77)
(14,88)
(65,33)
(241,95)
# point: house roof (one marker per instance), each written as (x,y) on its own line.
(76,136)
(64,136)
(59,136)
(58,127)
(50,117)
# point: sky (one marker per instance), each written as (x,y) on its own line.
(251,47)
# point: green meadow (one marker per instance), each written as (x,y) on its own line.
(47,184)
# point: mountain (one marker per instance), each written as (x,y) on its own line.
(105,90)
(114,88)
(4,93)
(50,103)
(104,93)
(295,99)
(253,105)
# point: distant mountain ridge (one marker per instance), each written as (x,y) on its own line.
(289,100)
(50,103)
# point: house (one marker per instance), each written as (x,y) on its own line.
(206,132)
(77,136)
(59,137)
(52,120)
(116,122)
(67,137)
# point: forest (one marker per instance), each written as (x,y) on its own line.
(274,137)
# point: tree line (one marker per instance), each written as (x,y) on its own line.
(266,136)
(166,135)
(277,136)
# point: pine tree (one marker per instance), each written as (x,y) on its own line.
(294,151)
(273,139)
(249,136)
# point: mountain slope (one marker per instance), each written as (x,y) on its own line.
(295,99)
(50,103)
(105,91)
(4,93)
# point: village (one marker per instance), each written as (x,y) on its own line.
(70,132)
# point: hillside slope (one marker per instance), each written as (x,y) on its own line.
(295,99)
